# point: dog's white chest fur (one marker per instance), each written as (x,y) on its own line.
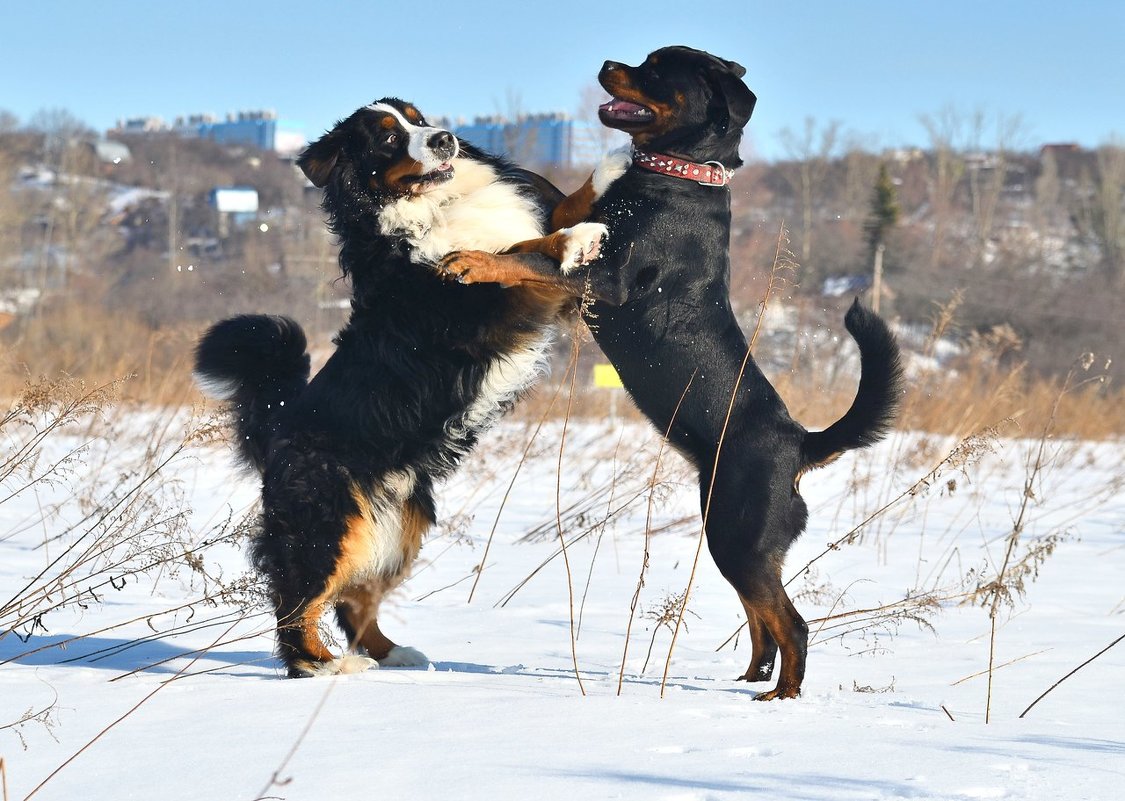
(472,211)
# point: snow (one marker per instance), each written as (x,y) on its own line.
(124,197)
(499,714)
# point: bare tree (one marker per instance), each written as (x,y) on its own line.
(60,128)
(73,209)
(1107,217)
(861,168)
(987,172)
(1048,193)
(9,122)
(810,151)
(520,141)
(80,204)
(11,219)
(946,168)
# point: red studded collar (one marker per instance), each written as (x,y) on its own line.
(712,173)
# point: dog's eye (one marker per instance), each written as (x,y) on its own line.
(391,139)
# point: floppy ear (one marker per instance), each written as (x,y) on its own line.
(319,158)
(726,78)
(731,66)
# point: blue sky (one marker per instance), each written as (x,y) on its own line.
(874,66)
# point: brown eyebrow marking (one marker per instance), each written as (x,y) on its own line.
(412,113)
(388,121)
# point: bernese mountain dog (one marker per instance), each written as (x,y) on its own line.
(349,460)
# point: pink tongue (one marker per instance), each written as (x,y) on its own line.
(621,107)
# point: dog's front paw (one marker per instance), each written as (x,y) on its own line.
(465,266)
(613,165)
(583,244)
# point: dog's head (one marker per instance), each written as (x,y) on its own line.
(384,149)
(679,99)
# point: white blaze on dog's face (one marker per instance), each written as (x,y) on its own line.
(432,148)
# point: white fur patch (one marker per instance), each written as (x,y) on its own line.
(583,243)
(612,166)
(506,378)
(214,387)
(471,211)
(404,656)
(383,523)
(419,136)
(352,663)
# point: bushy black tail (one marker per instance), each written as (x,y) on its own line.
(257,363)
(876,402)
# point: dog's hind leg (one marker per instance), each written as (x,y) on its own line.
(358,614)
(765,597)
(749,528)
(764,648)
(301,648)
(357,607)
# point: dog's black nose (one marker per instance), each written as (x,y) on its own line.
(609,66)
(443,144)
(442,140)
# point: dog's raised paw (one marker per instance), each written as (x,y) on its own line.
(612,166)
(583,244)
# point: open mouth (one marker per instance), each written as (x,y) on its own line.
(443,173)
(625,112)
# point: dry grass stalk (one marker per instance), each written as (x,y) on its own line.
(127,530)
(507,492)
(575,347)
(664,614)
(1071,673)
(783,262)
(602,504)
(114,466)
(97,345)
(917,608)
(1009,663)
(130,711)
(967,452)
(1009,579)
(43,717)
(648,536)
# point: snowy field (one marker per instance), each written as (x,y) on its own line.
(135,687)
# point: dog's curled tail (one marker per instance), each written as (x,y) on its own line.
(877,399)
(256,363)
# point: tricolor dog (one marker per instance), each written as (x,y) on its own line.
(350,459)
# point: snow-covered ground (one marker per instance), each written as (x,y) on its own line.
(890,710)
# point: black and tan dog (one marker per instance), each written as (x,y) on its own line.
(349,459)
(662,315)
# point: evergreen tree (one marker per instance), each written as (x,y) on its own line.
(883,212)
(883,215)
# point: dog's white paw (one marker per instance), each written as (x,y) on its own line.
(583,244)
(404,656)
(352,663)
(613,165)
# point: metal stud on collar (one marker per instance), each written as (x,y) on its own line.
(711,173)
